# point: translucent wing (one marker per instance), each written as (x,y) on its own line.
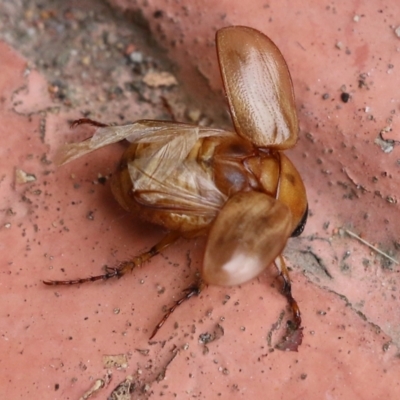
(258,86)
(164,175)
(248,234)
(144,131)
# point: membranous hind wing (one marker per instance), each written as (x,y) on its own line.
(162,172)
(146,131)
(167,175)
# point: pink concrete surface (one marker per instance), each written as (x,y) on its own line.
(65,224)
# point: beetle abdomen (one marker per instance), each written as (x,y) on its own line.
(190,196)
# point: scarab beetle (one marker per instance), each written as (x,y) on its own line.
(238,188)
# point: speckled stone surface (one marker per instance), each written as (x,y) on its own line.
(60,223)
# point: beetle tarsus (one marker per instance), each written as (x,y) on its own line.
(287,291)
(87,121)
(110,273)
(168,108)
(124,267)
(294,331)
(192,290)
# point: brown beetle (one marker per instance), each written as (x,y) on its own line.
(238,188)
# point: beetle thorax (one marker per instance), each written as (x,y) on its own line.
(238,166)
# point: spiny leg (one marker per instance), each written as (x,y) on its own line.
(287,291)
(192,290)
(125,266)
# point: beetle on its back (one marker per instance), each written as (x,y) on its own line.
(236,187)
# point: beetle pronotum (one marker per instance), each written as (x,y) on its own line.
(239,188)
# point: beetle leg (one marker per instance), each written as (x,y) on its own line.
(294,332)
(168,108)
(126,266)
(192,290)
(287,291)
(87,121)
